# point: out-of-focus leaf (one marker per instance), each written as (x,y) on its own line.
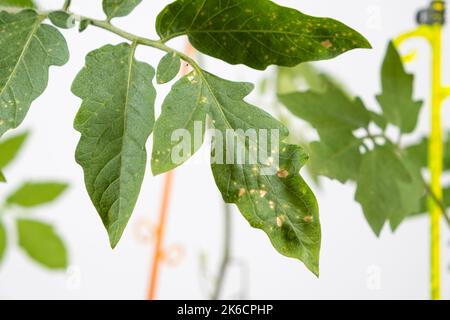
(10,147)
(396,99)
(42,244)
(332,109)
(300,78)
(336,155)
(33,194)
(419,152)
(18,3)
(386,188)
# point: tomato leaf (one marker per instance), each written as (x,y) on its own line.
(28,48)
(168,68)
(32,194)
(115,120)
(396,99)
(62,19)
(185,108)
(256,33)
(119,8)
(10,147)
(18,3)
(331,109)
(42,244)
(384,186)
(336,155)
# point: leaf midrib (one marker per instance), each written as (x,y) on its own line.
(125,128)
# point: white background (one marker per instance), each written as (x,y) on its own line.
(354,263)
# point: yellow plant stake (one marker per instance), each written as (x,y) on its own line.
(431,21)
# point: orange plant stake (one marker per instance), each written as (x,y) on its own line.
(158,253)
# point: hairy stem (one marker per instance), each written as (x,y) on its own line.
(157,44)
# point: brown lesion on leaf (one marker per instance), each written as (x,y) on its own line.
(327,44)
(283,173)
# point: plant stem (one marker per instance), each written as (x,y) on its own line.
(226,253)
(157,44)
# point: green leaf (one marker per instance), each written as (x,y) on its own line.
(336,155)
(410,193)
(256,33)
(185,108)
(115,120)
(119,8)
(331,109)
(2,177)
(18,3)
(419,152)
(379,120)
(396,100)
(33,194)
(10,147)
(3,241)
(28,48)
(42,244)
(302,77)
(62,19)
(84,23)
(387,190)
(168,68)
(281,204)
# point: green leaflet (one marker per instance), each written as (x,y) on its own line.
(335,116)
(62,19)
(28,48)
(305,76)
(17,3)
(168,68)
(281,204)
(42,244)
(337,155)
(396,99)
(256,33)
(419,152)
(3,241)
(115,121)
(119,8)
(380,186)
(84,23)
(388,178)
(185,108)
(9,148)
(33,194)
(331,109)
